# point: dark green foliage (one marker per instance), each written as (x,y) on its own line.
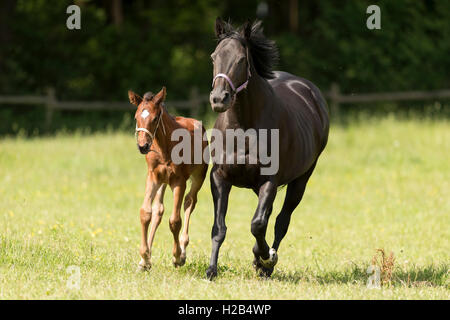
(168,42)
(410,52)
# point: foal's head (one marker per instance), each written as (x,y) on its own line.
(236,52)
(148,117)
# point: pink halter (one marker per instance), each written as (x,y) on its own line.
(223,75)
(242,86)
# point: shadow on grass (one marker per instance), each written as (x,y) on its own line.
(413,276)
(428,276)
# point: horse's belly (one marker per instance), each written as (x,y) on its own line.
(240,175)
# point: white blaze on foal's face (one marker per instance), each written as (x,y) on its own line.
(145,114)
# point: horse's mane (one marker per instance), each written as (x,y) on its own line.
(264,51)
(148,96)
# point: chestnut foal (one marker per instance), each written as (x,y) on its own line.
(154,127)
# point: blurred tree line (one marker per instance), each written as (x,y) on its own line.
(143,45)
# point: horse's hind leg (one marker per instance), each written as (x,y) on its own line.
(189,205)
(266,194)
(294,195)
(175,220)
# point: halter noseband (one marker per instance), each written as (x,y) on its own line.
(152,136)
(242,86)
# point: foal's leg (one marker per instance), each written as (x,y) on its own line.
(266,194)
(145,216)
(175,220)
(294,195)
(220,190)
(189,205)
(157,213)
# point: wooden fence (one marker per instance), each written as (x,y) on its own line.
(334,97)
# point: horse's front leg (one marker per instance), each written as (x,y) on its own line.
(157,213)
(175,219)
(265,259)
(145,216)
(220,190)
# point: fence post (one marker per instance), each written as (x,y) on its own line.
(194,101)
(49,107)
(334,97)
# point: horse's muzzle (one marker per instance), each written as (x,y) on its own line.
(144,149)
(220,101)
(220,107)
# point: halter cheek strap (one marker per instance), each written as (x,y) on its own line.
(144,130)
(152,135)
(242,86)
(223,75)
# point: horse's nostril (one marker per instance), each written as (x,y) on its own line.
(144,148)
(221,97)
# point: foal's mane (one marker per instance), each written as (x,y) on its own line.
(148,96)
(264,52)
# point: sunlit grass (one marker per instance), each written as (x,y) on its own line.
(74,200)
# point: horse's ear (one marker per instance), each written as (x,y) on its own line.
(247,30)
(161,96)
(134,98)
(220,27)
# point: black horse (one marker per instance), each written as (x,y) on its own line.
(248,94)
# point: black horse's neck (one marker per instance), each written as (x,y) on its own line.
(250,103)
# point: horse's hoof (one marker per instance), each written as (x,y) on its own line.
(178,263)
(182,260)
(211,273)
(271,261)
(144,267)
(265,272)
(262,271)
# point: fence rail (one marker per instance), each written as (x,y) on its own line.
(334,97)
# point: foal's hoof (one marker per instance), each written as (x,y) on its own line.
(179,263)
(143,267)
(182,260)
(211,273)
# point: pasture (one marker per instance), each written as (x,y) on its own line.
(74,200)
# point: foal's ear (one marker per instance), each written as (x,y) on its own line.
(220,27)
(161,96)
(134,98)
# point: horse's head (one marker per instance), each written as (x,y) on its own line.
(231,65)
(148,116)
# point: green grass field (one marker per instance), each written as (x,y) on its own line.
(74,200)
